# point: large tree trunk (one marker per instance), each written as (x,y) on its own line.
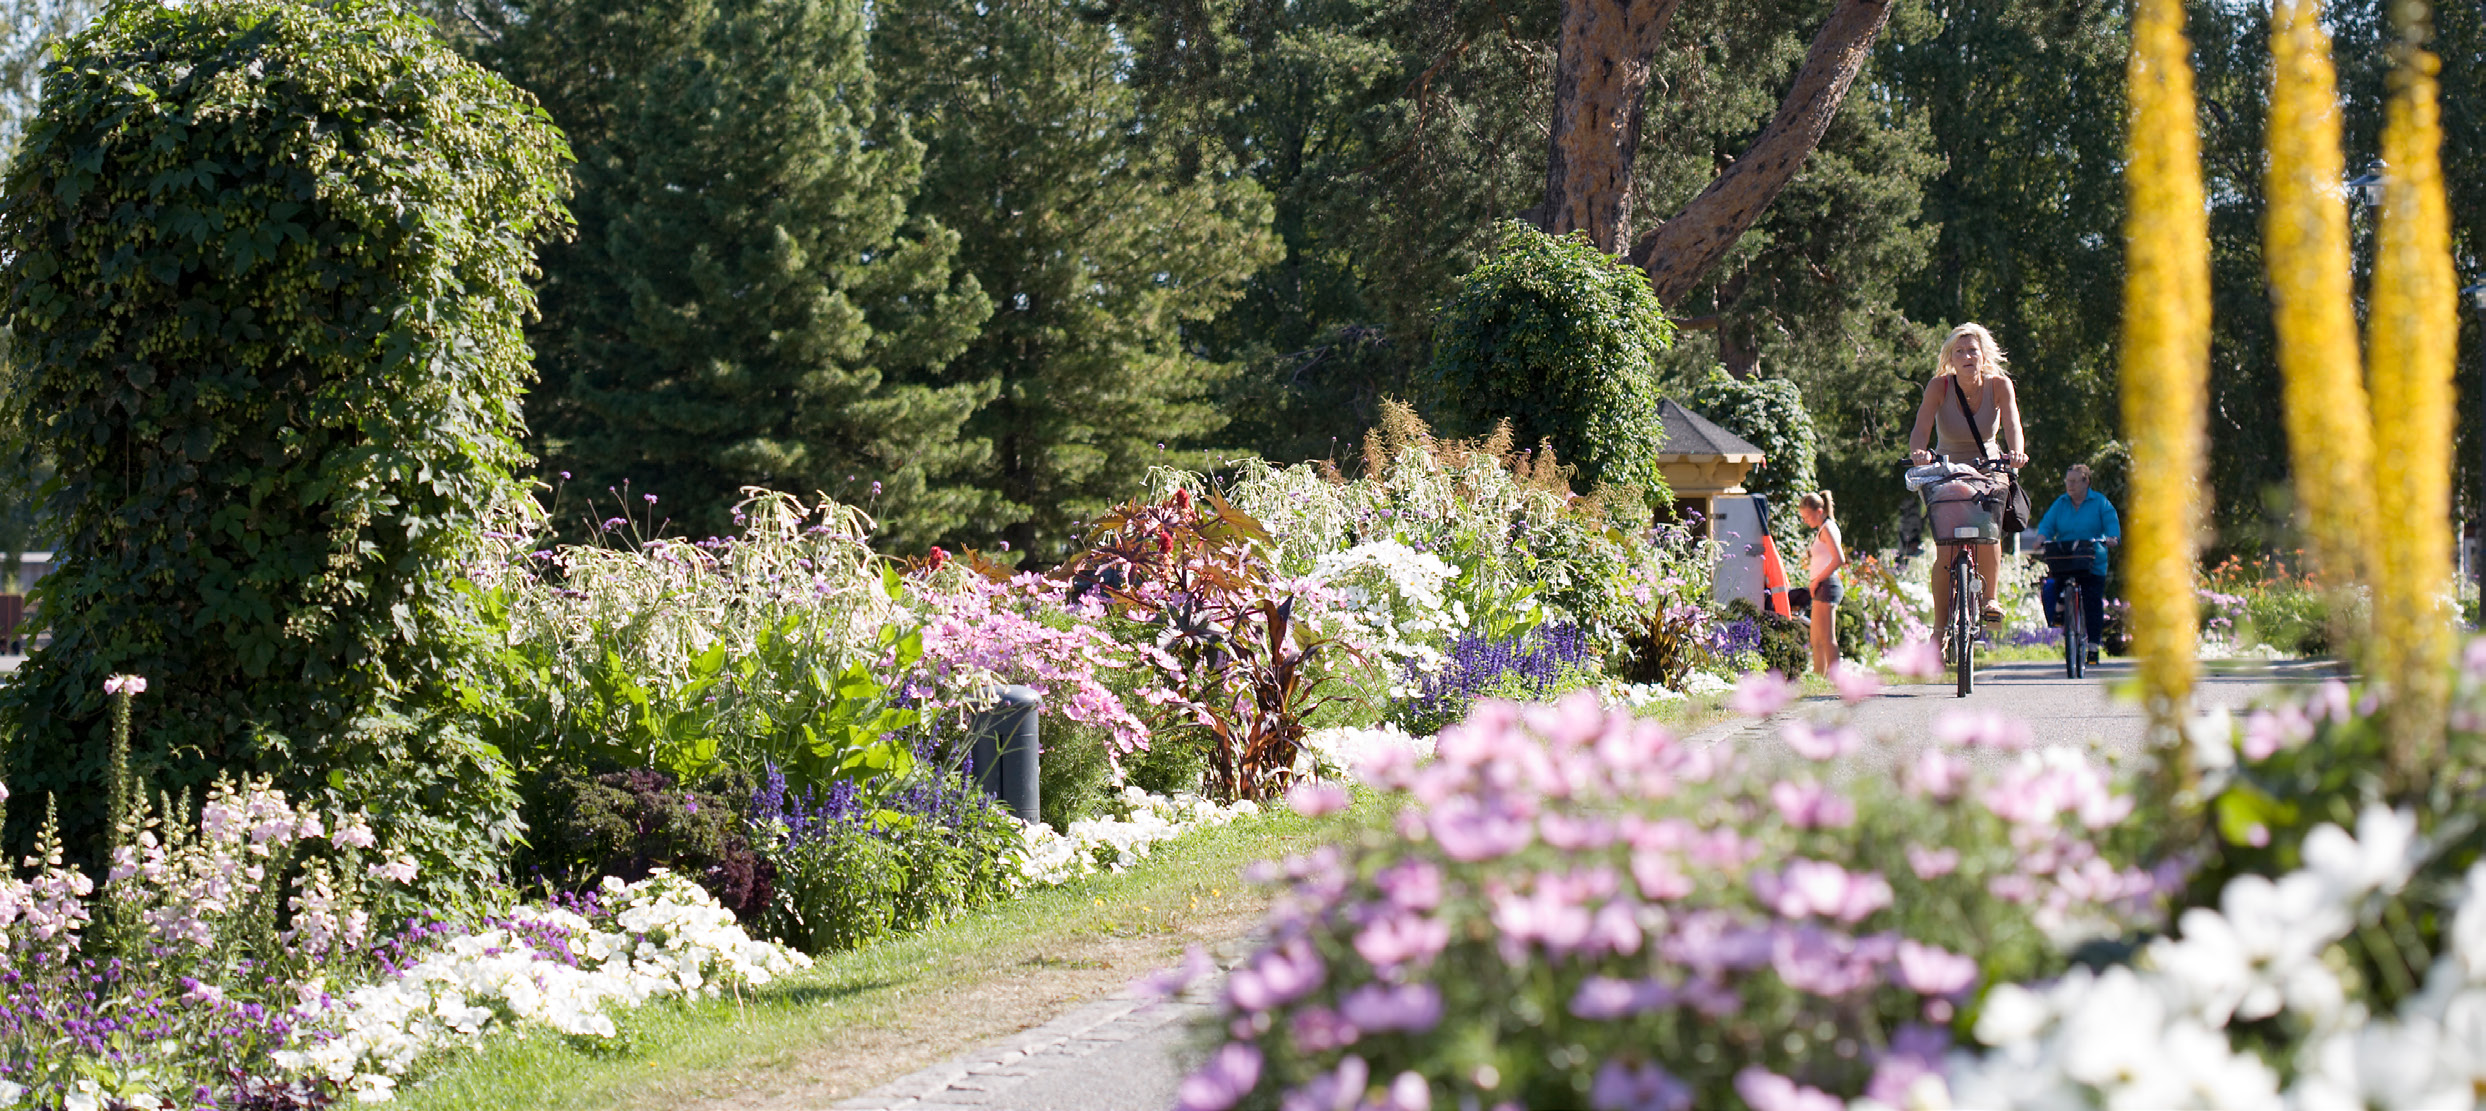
(1601,78)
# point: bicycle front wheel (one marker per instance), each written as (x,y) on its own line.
(2075,637)
(1965,616)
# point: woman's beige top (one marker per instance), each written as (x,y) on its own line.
(1825,550)
(1953,439)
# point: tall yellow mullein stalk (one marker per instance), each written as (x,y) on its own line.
(2411,324)
(2305,238)
(2166,356)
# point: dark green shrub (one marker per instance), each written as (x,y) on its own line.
(1561,339)
(1174,763)
(266,264)
(1075,774)
(1769,412)
(584,827)
(846,883)
(1786,646)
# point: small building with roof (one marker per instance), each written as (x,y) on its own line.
(1700,460)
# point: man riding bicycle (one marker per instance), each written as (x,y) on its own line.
(2081,514)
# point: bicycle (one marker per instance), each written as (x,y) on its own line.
(1963,507)
(2066,560)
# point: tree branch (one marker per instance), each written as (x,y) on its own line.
(1601,81)
(1678,251)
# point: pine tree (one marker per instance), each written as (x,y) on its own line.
(1098,246)
(747,301)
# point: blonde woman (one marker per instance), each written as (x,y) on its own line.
(1969,382)
(1829,554)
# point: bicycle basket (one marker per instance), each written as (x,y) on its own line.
(2065,557)
(1964,512)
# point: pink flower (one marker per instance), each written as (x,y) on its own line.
(1166,983)
(400,870)
(1660,876)
(1314,800)
(1855,684)
(1401,938)
(1318,1029)
(1818,887)
(1646,1088)
(1814,743)
(1411,884)
(1280,976)
(1932,970)
(1981,729)
(1808,805)
(1223,1081)
(1414,1008)
(1768,1091)
(2267,732)
(1831,965)
(1470,831)
(1604,998)
(1931,864)
(1915,1055)
(1937,773)
(1338,1091)
(1916,659)
(1761,693)
(126,684)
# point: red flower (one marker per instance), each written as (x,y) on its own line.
(938,557)
(1165,542)
(1182,497)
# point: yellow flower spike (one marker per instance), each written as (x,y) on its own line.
(2330,429)
(2166,356)
(2410,330)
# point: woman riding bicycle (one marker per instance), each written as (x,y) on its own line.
(2082,514)
(1971,368)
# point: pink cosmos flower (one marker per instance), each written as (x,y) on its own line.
(1604,998)
(1807,805)
(1414,1008)
(1470,830)
(1338,1091)
(1223,1081)
(1855,684)
(1818,887)
(1166,983)
(1814,743)
(1768,1091)
(2266,732)
(1645,1088)
(1411,884)
(1931,864)
(1401,938)
(1280,976)
(1932,970)
(1915,1054)
(1659,875)
(1315,800)
(1937,773)
(1318,1029)
(1916,659)
(1761,693)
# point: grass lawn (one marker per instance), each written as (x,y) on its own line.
(860,1019)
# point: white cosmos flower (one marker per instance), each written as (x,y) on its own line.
(2382,855)
(2385,1065)
(2247,961)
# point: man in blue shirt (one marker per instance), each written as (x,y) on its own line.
(2080,514)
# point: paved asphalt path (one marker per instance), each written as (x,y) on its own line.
(1127,1053)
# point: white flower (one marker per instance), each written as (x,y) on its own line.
(2389,1065)
(2266,947)
(2380,857)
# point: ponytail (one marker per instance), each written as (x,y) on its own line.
(1821,500)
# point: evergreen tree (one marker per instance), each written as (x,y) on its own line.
(747,301)
(1098,244)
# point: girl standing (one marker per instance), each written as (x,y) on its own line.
(1827,556)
